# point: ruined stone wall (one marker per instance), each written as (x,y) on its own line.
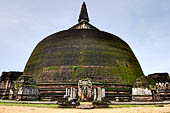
(26,88)
(163,89)
(7,83)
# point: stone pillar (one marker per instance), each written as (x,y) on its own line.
(89,90)
(103,92)
(79,89)
(99,98)
(95,94)
(74,93)
(71,95)
(68,92)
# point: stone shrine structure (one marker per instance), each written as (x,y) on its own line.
(85,90)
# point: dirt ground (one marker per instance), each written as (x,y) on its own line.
(16,109)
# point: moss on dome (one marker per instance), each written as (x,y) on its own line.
(98,55)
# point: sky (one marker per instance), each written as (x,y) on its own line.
(143,24)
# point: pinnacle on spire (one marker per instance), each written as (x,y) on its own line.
(83,14)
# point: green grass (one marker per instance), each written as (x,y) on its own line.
(128,105)
(30,105)
(56,105)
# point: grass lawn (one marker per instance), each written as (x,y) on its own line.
(128,105)
(56,105)
(30,105)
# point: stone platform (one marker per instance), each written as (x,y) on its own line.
(85,106)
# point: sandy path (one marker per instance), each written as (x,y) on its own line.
(15,109)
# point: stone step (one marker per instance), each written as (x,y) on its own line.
(43,92)
(44,95)
(51,93)
(51,89)
(85,106)
(118,95)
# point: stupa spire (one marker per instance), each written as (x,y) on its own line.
(83,14)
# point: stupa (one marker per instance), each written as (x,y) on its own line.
(83,51)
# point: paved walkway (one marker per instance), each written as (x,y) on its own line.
(113,102)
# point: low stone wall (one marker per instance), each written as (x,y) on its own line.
(141,94)
(28,93)
(54,91)
(118,92)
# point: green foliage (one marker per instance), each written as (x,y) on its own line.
(128,105)
(25,81)
(145,82)
(54,68)
(151,81)
(96,82)
(74,74)
(74,68)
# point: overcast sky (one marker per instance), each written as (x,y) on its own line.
(143,24)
